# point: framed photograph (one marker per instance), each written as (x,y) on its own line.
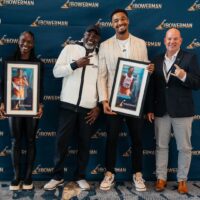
(129,88)
(21,88)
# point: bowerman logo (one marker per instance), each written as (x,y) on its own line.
(69,41)
(39,22)
(4,40)
(172,170)
(74,4)
(164,25)
(148,152)
(196,153)
(195,6)
(103,24)
(71,151)
(44,170)
(5,152)
(196,117)
(39,170)
(134,6)
(47,60)
(75,151)
(194,44)
(23,151)
(98,169)
(41,133)
(99,133)
(123,134)
(145,152)
(17,2)
(51,98)
(153,44)
(128,152)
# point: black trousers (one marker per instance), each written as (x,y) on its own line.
(114,125)
(23,127)
(69,121)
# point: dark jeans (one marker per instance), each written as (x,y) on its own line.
(69,121)
(23,127)
(114,125)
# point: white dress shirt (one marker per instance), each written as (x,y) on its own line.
(168,62)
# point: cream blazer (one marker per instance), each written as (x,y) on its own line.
(109,53)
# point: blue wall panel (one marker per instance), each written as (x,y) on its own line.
(60,22)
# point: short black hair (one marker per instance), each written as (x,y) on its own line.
(117,11)
(17,54)
(29,32)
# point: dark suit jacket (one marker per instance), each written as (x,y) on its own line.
(175,97)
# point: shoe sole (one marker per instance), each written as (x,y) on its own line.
(27,187)
(84,189)
(106,188)
(182,192)
(159,190)
(58,185)
(14,188)
(141,189)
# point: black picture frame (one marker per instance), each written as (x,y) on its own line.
(129,87)
(22,88)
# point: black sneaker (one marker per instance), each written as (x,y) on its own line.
(15,185)
(27,184)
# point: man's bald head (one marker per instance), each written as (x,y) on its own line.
(173,31)
(172,40)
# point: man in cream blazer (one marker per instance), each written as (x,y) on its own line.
(110,51)
(124,45)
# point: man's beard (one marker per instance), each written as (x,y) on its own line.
(122,32)
(89,46)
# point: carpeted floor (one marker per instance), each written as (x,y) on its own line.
(121,191)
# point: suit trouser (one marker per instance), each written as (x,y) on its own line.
(182,132)
(114,126)
(69,122)
(23,127)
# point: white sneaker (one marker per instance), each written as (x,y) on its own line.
(139,183)
(53,184)
(83,184)
(108,181)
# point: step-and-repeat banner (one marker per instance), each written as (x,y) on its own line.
(61,22)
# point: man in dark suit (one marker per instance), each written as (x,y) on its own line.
(171,105)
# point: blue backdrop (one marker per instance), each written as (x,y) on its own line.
(58,23)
